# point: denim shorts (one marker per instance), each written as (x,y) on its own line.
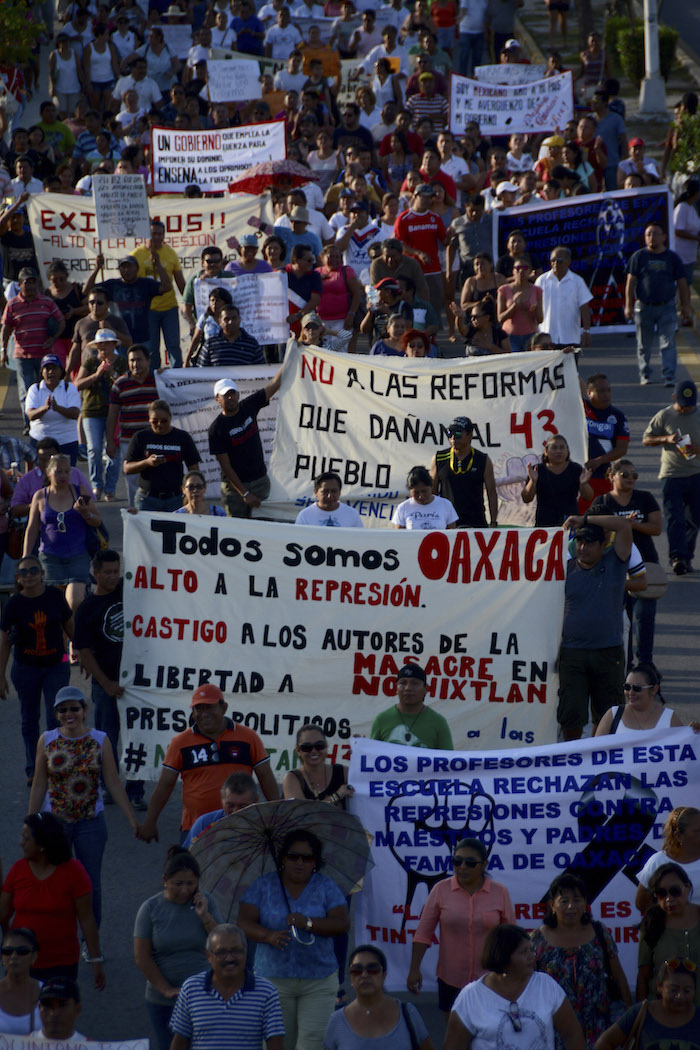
(59,572)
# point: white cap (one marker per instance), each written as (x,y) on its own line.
(222,386)
(509,44)
(506,187)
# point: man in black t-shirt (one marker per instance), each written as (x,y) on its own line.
(158,455)
(132,294)
(99,636)
(235,441)
(16,243)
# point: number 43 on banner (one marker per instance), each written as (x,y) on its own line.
(546,417)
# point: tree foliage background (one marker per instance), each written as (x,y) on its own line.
(20,28)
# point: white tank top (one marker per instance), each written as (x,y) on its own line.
(101,71)
(663,723)
(66,75)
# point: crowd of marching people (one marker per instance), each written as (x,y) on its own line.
(383,228)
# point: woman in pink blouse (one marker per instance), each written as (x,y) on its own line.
(466,906)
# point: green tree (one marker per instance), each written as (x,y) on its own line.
(19,31)
(686,155)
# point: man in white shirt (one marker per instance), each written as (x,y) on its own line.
(318,223)
(292,78)
(199,52)
(59,1008)
(328,510)
(282,38)
(25,181)
(472,28)
(145,87)
(387,124)
(637,164)
(456,167)
(355,238)
(389,48)
(566,302)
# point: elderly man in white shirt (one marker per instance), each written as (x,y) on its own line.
(566,302)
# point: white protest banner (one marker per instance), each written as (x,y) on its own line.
(229,81)
(121,206)
(190,394)
(509,73)
(262,299)
(65,228)
(24,1042)
(371,419)
(178,39)
(502,109)
(213,158)
(593,808)
(301,623)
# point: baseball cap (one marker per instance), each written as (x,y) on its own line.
(461,423)
(424,190)
(412,671)
(506,187)
(59,988)
(51,359)
(27,274)
(68,692)
(298,215)
(128,259)
(222,386)
(590,532)
(249,241)
(426,76)
(636,142)
(207,694)
(359,206)
(311,318)
(553,140)
(510,44)
(388,282)
(685,394)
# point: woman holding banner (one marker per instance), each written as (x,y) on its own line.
(580,955)
(466,907)
(194,497)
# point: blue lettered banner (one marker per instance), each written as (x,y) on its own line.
(594,808)
(601,230)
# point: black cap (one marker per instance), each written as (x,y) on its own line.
(412,671)
(59,988)
(461,423)
(592,533)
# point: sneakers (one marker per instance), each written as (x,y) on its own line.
(679,566)
(644,381)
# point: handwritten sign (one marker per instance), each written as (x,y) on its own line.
(229,81)
(261,299)
(502,109)
(121,206)
(509,73)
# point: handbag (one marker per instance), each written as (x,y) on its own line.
(614,993)
(657,582)
(632,1040)
(15,537)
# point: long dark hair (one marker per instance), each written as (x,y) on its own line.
(49,834)
(691,187)
(654,921)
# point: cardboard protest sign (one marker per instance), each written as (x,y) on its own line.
(262,299)
(273,613)
(593,808)
(229,81)
(509,73)
(502,109)
(602,230)
(121,206)
(212,159)
(371,419)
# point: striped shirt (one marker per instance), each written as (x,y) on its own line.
(133,399)
(219,352)
(435,107)
(211,1022)
(27,318)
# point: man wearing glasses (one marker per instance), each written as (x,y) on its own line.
(99,316)
(566,302)
(461,473)
(227,1005)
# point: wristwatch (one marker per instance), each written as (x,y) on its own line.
(309,924)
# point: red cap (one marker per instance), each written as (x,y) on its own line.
(636,142)
(207,694)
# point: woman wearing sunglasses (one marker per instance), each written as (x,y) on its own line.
(644,515)
(70,761)
(373,1015)
(19,992)
(644,707)
(512,1005)
(681,844)
(671,1020)
(317,777)
(465,907)
(194,496)
(670,928)
(520,305)
(293,914)
(580,954)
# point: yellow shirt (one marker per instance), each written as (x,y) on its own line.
(171,264)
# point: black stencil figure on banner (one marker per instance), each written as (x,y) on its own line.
(450,835)
(608,280)
(614,843)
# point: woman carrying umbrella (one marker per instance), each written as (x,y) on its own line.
(293,914)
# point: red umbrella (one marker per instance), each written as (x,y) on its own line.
(272,173)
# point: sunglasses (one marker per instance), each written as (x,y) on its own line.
(61,521)
(628,474)
(9,950)
(673,964)
(34,571)
(195,488)
(469,862)
(455,433)
(670,891)
(514,1015)
(630,688)
(356,969)
(318,745)
(73,709)
(521,267)
(308,858)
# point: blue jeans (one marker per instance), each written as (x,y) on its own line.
(30,682)
(107,720)
(167,322)
(662,317)
(28,373)
(88,839)
(519,342)
(681,504)
(643,611)
(471,46)
(159,1016)
(95,428)
(166,506)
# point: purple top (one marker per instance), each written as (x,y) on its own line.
(62,543)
